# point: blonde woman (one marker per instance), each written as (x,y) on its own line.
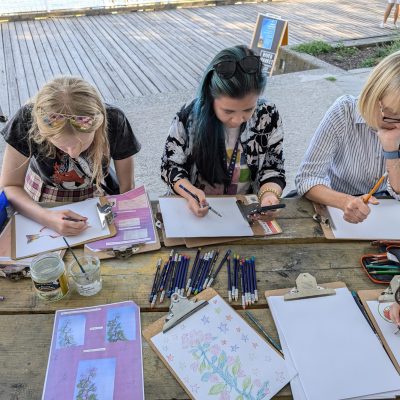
(59,148)
(355,144)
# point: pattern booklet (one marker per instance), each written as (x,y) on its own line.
(96,353)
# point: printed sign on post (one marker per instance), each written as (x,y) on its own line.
(270,33)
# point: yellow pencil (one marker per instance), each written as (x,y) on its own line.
(375,188)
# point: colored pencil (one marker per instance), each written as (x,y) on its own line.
(193,269)
(198,200)
(228,269)
(375,188)
(213,262)
(155,279)
(227,254)
(253,263)
(243,287)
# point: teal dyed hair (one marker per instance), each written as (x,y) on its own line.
(209,152)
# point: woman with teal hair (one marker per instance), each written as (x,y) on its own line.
(228,140)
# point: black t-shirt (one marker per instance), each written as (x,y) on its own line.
(62,171)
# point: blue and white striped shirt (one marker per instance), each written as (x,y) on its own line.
(345,154)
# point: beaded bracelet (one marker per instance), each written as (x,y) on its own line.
(274,191)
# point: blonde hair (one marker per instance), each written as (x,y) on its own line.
(384,80)
(74,96)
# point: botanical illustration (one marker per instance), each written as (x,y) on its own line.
(95,379)
(218,356)
(121,324)
(71,331)
(225,373)
(35,236)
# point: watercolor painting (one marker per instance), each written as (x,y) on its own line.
(71,331)
(217,355)
(121,324)
(95,379)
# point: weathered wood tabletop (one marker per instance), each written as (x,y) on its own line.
(26,322)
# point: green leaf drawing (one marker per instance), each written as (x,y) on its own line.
(235,368)
(222,359)
(246,383)
(217,388)
(203,366)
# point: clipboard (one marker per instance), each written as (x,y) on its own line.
(177,316)
(124,251)
(306,287)
(103,211)
(259,229)
(368,295)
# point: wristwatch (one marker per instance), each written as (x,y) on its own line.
(391,155)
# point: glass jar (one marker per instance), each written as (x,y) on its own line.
(49,277)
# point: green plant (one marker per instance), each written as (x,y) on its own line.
(330,78)
(314,48)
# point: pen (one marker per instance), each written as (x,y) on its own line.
(198,200)
(261,328)
(375,188)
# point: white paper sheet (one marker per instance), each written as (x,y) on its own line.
(333,348)
(217,355)
(180,222)
(382,223)
(387,328)
(25,226)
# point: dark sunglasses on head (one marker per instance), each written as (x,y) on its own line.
(227,68)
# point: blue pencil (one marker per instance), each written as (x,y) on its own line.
(173,274)
(227,254)
(253,263)
(193,269)
(203,275)
(243,286)
(155,280)
(237,278)
(229,280)
(196,274)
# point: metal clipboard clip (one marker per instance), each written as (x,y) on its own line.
(392,291)
(105,214)
(306,287)
(322,220)
(180,309)
(124,252)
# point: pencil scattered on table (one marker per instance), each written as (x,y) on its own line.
(177,275)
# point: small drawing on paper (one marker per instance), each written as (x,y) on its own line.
(95,379)
(121,324)
(71,331)
(35,236)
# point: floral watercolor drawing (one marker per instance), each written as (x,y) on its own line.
(71,331)
(218,356)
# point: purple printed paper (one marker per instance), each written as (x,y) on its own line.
(96,353)
(133,220)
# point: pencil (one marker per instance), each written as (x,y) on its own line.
(198,200)
(73,219)
(375,188)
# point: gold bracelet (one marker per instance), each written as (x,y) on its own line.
(274,191)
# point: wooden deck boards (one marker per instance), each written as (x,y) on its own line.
(145,53)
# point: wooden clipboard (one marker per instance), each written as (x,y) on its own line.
(257,229)
(157,327)
(102,200)
(322,217)
(134,249)
(368,295)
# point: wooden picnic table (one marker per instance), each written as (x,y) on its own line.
(26,322)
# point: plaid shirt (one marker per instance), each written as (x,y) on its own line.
(36,189)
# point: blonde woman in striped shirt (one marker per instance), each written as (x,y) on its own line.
(355,144)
